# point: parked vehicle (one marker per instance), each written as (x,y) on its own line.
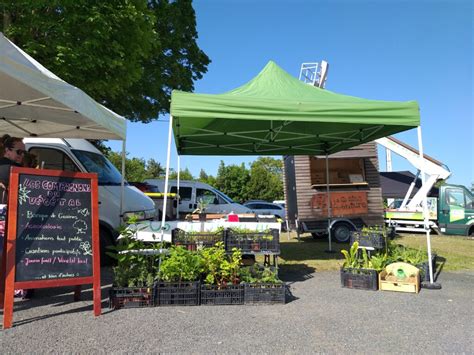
(78,155)
(450,213)
(191,193)
(266,208)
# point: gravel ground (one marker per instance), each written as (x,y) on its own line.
(320,317)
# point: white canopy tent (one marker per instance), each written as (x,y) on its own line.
(34,102)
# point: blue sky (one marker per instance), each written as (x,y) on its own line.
(386,50)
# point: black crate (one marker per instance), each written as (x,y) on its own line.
(196,241)
(376,240)
(131,297)
(258,293)
(225,295)
(424,268)
(364,279)
(253,242)
(177,293)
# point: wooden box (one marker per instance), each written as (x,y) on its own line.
(411,284)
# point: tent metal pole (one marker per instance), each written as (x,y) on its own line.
(177,186)
(122,182)
(165,199)
(329,203)
(425,205)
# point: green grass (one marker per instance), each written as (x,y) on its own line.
(454,252)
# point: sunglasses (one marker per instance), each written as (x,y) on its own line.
(18,151)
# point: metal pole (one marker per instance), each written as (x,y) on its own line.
(328,202)
(122,182)
(425,206)
(163,218)
(177,186)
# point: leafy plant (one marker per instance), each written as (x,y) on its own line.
(259,274)
(219,268)
(351,256)
(181,265)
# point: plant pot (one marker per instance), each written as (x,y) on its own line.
(363,279)
(202,217)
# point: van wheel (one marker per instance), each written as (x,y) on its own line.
(106,240)
(341,232)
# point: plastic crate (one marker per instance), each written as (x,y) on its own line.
(230,294)
(258,293)
(363,279)
(131,297)
(196,241)
(253,242)
(369,239)
(177,293)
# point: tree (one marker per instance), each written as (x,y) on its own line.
(266,179)
(154,170)
(232,180)
(183,175)
(127,54)
(207,179)
(134,168)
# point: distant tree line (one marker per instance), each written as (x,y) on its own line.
(262,181)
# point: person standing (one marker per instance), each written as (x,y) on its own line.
(13,153)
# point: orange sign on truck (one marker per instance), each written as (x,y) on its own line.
(342,203)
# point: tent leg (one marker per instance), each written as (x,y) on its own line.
(329,206)
(432,284)
(165,200)
(177,187)
(122,182)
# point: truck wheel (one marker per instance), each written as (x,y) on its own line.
(341,232)
(106,240)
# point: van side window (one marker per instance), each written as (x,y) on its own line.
(206,196)
(49,158)
(455,197)
(185,193)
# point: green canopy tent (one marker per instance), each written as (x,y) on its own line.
(277,114)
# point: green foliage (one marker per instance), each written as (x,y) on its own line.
(351,256)
(259,274)
(266,179)
(181,265)
(219,268)
(183,175)
(232,180)
(133,268)
(135,168)
(207,179)
(126,54)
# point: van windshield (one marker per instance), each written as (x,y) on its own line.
(97,163)
(223,195)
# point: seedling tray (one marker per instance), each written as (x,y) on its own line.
(225,295)
(363,279)
(265,293)
(253,242)
(177,293)
(196,241)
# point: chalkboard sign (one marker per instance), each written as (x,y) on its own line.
(54,228)
(53,234)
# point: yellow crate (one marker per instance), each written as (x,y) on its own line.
(399,286)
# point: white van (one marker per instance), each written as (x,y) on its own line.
(191,192)
(80,155)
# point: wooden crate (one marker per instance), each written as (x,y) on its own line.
(399,286)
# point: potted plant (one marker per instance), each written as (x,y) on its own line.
(179,274)
(373,237)
(262,285)
(358,272)
(221,276)
(134,274)
(201,209)
(250,241)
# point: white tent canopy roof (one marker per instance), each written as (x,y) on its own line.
(35,102)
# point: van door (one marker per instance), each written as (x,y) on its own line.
(457,210)
(212,202)
(186,203)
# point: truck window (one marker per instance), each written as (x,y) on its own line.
(469,202)
(455,197)
(185,193)
(97,163)
(49,158)
(206,196)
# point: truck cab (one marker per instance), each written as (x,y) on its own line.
(79,155)
(456,210)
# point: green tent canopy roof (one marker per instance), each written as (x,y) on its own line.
(277,114)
